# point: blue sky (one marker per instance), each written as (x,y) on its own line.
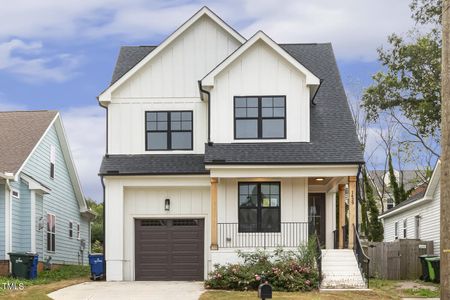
(60,54)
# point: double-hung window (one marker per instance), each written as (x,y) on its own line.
(52,161)
(51,233)
(168,130)
(261,117)
(78,231)
(396,230)
(259,207)
(70,229)
(405,228)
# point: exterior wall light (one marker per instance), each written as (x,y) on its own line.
(320,179)
(167,205)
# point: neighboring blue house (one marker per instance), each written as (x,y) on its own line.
(42,207)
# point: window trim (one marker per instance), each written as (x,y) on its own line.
(396,230)
(52,161)
(417,226)
(51,233)
(259,207)
(78,231)
(168,130)
(405,228)
(71,229)
(260,118)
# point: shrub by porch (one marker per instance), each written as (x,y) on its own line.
(285,270)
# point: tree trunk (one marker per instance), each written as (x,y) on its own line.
(445,158)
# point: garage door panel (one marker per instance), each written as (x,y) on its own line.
(169,249)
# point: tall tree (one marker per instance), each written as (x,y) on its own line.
(397,186)
(445,159)
(374,227)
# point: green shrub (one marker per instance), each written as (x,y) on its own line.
(97,247)
(284,270)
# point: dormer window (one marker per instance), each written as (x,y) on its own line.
(168,130)
(260,117)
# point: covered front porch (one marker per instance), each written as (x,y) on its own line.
(254,207)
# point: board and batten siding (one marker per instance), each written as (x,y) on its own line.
(61,202)
(260,71)
(169,81)
(2,221)
(429,227)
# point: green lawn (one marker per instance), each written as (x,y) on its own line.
(381,289)
(47,282)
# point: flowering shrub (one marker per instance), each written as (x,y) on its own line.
(284,270)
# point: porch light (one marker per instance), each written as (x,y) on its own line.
(167,205)
(320,179)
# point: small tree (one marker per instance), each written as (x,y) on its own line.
(374,227)
(398,190)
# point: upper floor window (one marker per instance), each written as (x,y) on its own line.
(51,232)
(261,117)
(52,161)
(168,130)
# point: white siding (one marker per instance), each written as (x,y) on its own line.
(429,213)
(260,71)
(168,82)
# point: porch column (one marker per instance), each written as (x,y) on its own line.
(213,192)
(352,210)
(341,189)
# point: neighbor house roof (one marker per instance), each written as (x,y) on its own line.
(153,164)
(20,132)
(422,194)
(411,178)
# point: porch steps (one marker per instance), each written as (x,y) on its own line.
(340,270)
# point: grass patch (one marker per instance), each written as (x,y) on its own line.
(422,292)
(46,282)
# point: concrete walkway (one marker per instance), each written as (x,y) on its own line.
(133,290)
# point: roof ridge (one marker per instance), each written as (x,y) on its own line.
(325,43)
(36,110)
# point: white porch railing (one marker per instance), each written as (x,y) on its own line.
(291,234)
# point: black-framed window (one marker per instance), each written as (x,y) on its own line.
(260,117)
(259,207)
(168,130)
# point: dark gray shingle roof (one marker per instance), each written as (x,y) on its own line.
(411,199)
(153,164)
(129,56)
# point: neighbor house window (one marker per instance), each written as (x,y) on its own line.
(15,194)
(259,207)
(405,228)
(78,231)
(168,130)
(396,230)
(417,227)
(70,229)
(390,203)
(52,161)
(51,232)
(260,117)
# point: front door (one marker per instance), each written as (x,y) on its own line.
(316,216)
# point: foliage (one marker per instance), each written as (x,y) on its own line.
(398,191)
(97,247)
(374,229)
(423,292)
(284,270)
(97,224)
(410,82)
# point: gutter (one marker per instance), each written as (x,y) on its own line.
(314,96)
(209,108)
(104,227)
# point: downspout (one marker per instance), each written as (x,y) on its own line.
(315,93)
(358,196)
(209,108)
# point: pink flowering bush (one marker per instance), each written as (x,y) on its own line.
(284,270)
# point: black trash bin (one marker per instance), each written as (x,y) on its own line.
(435,264)
(24,265)
(425,273)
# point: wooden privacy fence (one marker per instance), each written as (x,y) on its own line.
(398,260)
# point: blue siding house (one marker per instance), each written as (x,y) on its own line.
(42,207)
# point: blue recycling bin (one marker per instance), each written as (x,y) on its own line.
(96,261)
(33,267)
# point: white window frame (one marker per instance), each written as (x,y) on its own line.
(405,228)
(52,161)
(15,191)
(78,231)
(71,229)
(396,230)
(52,234)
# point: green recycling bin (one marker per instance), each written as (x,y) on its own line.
(425,269)
(21,264)
(434,268)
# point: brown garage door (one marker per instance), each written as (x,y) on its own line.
(169,249)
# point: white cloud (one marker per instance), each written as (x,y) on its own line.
(356,28)
(20,58)
(85,129)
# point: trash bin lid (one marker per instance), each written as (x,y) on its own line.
(436,258)
(427,256)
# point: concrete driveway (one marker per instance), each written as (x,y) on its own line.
(133,290)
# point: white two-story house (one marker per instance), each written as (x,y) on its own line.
(218,143)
